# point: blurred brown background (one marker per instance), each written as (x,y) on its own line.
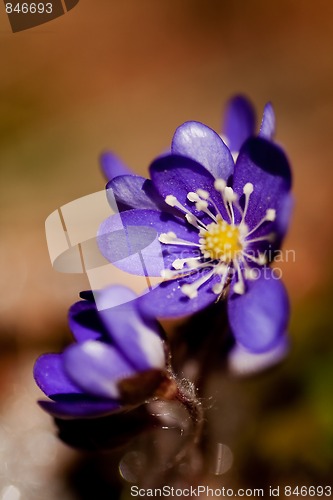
(123,76)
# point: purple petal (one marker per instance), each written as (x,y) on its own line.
(112,166)
(130,240)
(199,142)
(79,408)
(267,127)
(259,317)
(168,301)
(242,362)
(138,339)
(114,296)
(85,322)
(97,368)
(131,191)
(264,165)
(51,377)
(178,175)
(239,122)
(281,224)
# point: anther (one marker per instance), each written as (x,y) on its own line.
(167,274)
(192,196)
(220,185)
(270,214)
(203,194)
(248,188)
(201,205)
(189,291)
(178,264)
(167,237)
(171,200)
(239,288)
(229,194)
(217,288)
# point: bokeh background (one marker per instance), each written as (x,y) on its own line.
(123,76)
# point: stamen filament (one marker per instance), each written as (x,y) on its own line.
(191,290)
(239,287)
(247,190)
(171,239)
(269,237)
(261,260)
(269,217)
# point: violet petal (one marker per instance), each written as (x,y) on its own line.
(167,300)
(130,240)
(267,127)
(79,408)
(131,191)
(199,142)
(242,362)
(259,317)
(137,338)
(178,175)
(239,122)
(97,368)
(265,165)
(51,377)
(84,321)
(112,165)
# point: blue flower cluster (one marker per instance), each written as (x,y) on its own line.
(220,207)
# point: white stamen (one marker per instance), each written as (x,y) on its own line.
(171,239)
(167,274)
(230,194)
(201,205)
(190,291)
(218,288)
(220,185)
(261,259)
(269,217)
(178,263)
(269,237)
(221,269)
(167,237)
(239,288)
(248,188)
(191,219)
(192,196)
(171,200)
(270,214)
(192,263)
(203,194)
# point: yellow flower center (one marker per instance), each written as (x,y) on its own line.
(221,241)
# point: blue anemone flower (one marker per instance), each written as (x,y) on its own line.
(238,124)
(118,359)
(219,223)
